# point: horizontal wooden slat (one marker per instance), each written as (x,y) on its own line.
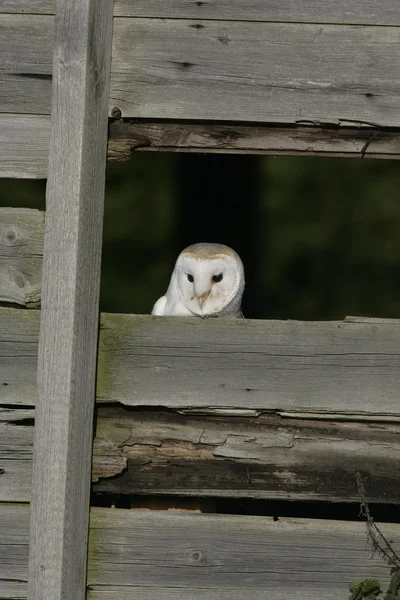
(26,63)
(221,70)
(24,144)
(45,7)
(21,255)
(16,450)
(368,12)
(263,457)
(206,557)
(344,368)
(257,72)
(126,136)
(152,453)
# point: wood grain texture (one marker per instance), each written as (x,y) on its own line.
(70,297)
(126,136)
(340,368)
(263,457)
(163,453)
(43,7)
(26,63)
(18,356)
(255,72)
(368,12)
(291,73)
(24,146)
(21,255)
(267,365)
(16,450)
(207,557)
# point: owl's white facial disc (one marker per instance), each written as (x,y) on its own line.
(208,284)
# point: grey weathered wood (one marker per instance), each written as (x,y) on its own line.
(264,457)
(24,146)
(359,142)
(26,63)
(207,557)
(28,6)
(269,365)
(368,12)
(16,443)
(264,72)
(292,73)
(71,282)
(18,356)
(333,368)
(153,453)
(21,254)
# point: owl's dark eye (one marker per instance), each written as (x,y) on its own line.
(190,278)
(217,278)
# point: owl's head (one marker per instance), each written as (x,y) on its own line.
(210,278)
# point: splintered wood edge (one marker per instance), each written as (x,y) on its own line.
(301,139)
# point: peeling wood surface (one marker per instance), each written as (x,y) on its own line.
(206,557)
(339,368)
(264,457)
(24,146)
(21,256)
(255,72)
(163,453)
(126,136)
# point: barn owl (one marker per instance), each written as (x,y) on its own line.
(207,281)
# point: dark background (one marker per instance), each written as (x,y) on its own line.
(319,237)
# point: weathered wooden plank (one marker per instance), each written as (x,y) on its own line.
(257,72)
(368,12)
(268,365)
(263,457)
(44,7)
(153,453)
(126,136)
(21,253)
(24,146)
(18,356)
(221,70)
(206,557)
(338,368)
(16,444)
(26,63)
(70,298)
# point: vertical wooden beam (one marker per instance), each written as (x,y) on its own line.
(71,281)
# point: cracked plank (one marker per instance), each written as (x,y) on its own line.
(149,453)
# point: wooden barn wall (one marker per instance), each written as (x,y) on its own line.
(262,409)
(322,64)
(164,556)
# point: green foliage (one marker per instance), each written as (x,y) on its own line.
(369,589)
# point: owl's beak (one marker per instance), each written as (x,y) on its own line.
(203,298)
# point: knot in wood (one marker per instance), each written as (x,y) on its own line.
(10,236)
